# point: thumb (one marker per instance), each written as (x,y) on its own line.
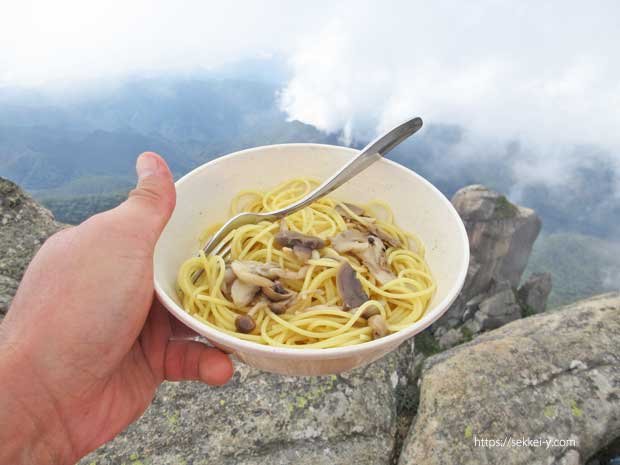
(151,203)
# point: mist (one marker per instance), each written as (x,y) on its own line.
(532,90)
(70,42)
(499,69)
(543,74)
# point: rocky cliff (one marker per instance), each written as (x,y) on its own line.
(551,376)
(501,236)
(24,226)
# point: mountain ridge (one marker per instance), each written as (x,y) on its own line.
(55,146)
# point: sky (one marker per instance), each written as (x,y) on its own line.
(545,73)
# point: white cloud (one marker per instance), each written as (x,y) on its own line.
(69,40)
(543,74)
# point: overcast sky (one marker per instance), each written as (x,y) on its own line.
(547,74)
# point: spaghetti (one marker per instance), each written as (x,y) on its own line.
(332,274)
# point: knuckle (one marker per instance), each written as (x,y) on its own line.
(155,194)
(146,193)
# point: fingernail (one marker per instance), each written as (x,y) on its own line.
(146,165)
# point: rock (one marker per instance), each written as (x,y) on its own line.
(409,397)
(610,455)
(534,292)
(8,288)
(499,308)
(501,236)
(24,226)
(471,328)
(472,305)
(554,376)
(450,338)
(262,418)
(489,310)
(456,314)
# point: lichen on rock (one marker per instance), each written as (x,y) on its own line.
(24,226)
(551,376)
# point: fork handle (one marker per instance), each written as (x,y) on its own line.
(367,156)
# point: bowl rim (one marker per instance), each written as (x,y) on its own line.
(216,336)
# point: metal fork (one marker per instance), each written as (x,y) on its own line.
(367,156)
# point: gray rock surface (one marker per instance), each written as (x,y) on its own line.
(499,308)
(501,236)
(552,376)
(534,292)
(259,418)
(450,338)
(610,455)
(24,226)
(8,288)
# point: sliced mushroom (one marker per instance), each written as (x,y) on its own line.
(368,224)
(385,237)
(263,274)
(349,287)
(253,272)
(359,211)
(277,292)
(243,293)
(374,259)
(261,302)
(229,277)
(294,238)
(303,253)
(280,307)
(245,324)
(371,310)
(378,325)
(290,274)
(350,240)
(368,248)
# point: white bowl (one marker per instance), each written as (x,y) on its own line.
(204,195)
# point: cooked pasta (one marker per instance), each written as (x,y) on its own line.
(332,274)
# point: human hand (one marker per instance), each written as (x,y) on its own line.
(84,345)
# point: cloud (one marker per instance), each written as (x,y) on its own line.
(541,73)
(71,40)
(611,277)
